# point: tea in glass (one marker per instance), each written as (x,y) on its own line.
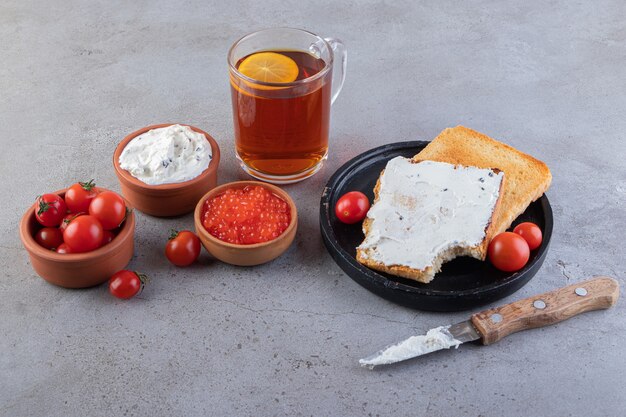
(281,100)
(281,134)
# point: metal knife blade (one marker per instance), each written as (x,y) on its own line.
(443,337)
(491,325)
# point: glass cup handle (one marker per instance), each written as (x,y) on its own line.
(340,59)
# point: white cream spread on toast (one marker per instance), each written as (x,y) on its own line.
(426,208)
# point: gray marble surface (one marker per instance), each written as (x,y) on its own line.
(284,338)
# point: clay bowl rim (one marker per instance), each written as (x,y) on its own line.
(138,184)
(241,184)
(36,249)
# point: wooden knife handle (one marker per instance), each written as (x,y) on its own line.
(549,308)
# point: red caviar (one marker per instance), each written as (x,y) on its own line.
(246,216)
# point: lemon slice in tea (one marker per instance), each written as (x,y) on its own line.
(270,67)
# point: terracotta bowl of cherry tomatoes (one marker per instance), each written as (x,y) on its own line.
(246,222)
(166,200)
(100,246)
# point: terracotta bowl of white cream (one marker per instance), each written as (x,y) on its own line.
(162,172)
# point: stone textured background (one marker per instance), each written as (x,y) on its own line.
(284,338)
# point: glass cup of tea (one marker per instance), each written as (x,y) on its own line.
(283,82)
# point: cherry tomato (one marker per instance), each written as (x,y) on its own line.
(107,237)
(508,252)
(182,248)
(49,237)
(63,248)
(83,234)
(352,207)
(78,197)
(50,210)
(67,219)
(531,233)
(126,284)
(109,208)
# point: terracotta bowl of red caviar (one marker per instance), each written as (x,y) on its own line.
(166,200)
(78,270)
(257,239)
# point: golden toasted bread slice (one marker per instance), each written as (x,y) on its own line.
(527,178)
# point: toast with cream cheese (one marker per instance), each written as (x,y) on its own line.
(426,213)
(410,255)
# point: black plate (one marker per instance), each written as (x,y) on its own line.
(463,283)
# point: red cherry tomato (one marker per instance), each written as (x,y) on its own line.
(531,233)
(63,248)
(50,210)
(107,237)
(508,252)
(109,208)
(78,197)
(126,284)
(182,248)
(67,219)
(49,237)
(83,234)
(352,207)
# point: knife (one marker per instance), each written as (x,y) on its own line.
(491,325)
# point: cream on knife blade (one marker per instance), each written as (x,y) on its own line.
(489,326)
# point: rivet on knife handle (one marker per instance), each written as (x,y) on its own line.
(545,309)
